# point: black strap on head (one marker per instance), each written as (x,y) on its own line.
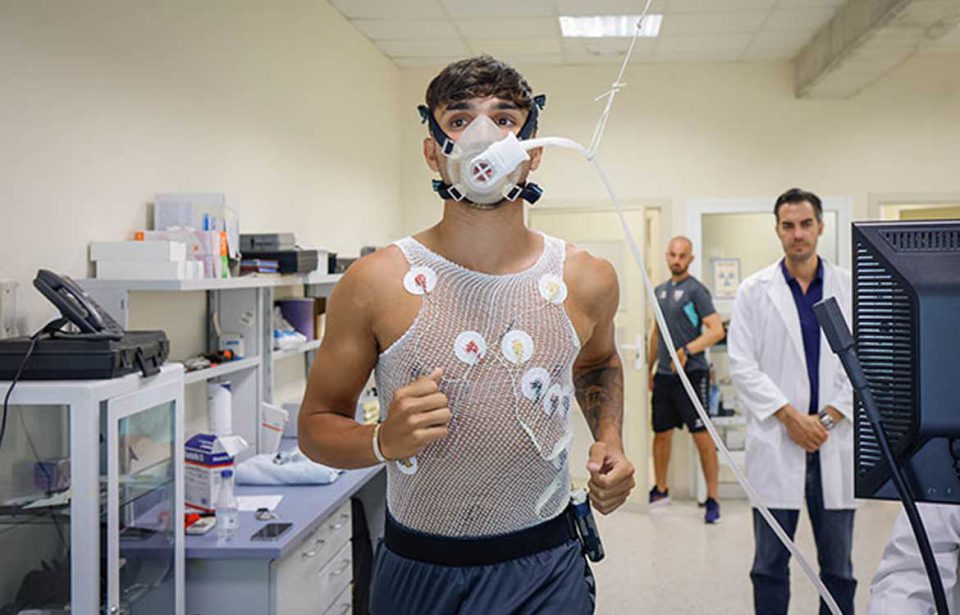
(446,191)
(530,126)
(531,192)
(446,143)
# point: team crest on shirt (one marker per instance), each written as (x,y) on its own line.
(678,294)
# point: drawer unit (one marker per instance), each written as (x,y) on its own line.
(307,571)
(316,572)
(335,577)
(343,605)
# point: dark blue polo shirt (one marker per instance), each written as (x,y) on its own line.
(809,328)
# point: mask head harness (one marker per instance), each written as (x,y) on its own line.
(527,191)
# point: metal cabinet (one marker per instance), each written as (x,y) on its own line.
(98,463)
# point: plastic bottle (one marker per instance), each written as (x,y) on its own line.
(228,513)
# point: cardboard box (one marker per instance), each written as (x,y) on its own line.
(204,246)
(142,270)
(138,251)
(206,456)
(299,313)
(200,212)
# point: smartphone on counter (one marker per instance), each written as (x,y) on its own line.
(271,531)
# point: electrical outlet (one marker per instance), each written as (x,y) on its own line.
(8,309)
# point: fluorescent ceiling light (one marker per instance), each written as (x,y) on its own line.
(597,26)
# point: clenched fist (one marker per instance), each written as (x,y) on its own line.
(418,415)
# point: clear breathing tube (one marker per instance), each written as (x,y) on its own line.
(504,156)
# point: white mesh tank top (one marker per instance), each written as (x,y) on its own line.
(507,348)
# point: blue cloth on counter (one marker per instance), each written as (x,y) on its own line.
(296,469)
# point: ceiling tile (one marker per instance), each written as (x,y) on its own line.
(400,29)
(782,40)
(387,9)
(615,47)
(718,6)
(575,59)
(516,27)
(808,3)
(712,23)
(948,41)
(511,46)
(505,8)
(725,55)
(894,37)
(799,19)
(758,54)
(425,62)
(609,7)
(540,59)
(705,44)
(424,48)
(776,45)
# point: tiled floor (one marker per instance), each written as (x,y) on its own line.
(667,561)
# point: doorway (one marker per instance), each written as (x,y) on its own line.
(599,232)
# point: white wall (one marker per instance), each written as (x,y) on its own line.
(105,103)
(751,238)
(693,131)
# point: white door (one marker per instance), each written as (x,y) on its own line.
(599,232)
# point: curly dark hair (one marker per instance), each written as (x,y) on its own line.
(478,77)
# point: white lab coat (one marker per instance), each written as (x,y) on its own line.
(768,368)
(900,586)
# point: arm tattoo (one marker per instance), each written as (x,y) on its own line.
(600,394)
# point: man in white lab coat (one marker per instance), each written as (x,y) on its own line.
(799,406)
(900,586)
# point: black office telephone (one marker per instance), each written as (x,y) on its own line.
(77,306)
(100,349)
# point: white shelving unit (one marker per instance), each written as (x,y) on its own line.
(293,352)
(736,420)
(223,369)
(100,286)
(739,457)
(244,305)
(728,488)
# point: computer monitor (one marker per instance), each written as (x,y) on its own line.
(906,311)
